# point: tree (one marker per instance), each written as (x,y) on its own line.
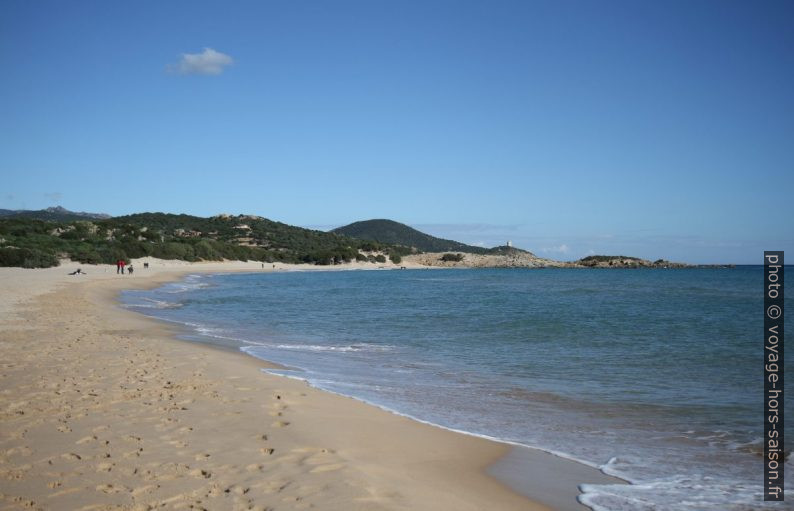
(452,257)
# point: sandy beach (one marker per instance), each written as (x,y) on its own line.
(105,409)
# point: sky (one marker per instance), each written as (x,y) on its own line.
(650,129)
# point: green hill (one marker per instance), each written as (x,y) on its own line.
(395,233)
(54,214)
(39,243)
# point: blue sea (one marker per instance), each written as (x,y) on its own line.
(651,375)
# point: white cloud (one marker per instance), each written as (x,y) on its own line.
(208,62)
(561,249)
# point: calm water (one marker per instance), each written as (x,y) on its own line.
(650,375)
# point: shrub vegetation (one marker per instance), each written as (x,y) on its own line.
(37,243)
(452,257)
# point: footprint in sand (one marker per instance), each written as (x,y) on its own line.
(275,486)
(65,491)
(200,473)
(237,490)
(280,424)
(109,488)
(105,467)
(215,491)
(144,489)
(327,468)
(19,451)
(17,473)
(277,408)
(133,454)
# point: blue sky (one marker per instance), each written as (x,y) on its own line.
(654,129)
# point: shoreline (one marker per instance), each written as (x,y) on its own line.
(374,459)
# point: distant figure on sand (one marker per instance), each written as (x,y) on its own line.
(130,270)
(78,271)
(121,264)
(118,266)
(145,265)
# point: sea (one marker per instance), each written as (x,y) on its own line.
(651,375)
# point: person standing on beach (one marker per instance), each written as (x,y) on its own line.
(122,263)
(118,266)
(129,270)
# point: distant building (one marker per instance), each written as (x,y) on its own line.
(509,243)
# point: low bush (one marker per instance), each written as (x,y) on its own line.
(452,257)
(26,258)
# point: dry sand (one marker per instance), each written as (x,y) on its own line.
(101,408)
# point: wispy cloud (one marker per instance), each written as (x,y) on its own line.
(53,196)
(208,62)
(559,249)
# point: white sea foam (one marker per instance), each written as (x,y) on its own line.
(217,333)
(254,343)
(345,348)
(340,349)
(151,303)
(690,492)
(189,283)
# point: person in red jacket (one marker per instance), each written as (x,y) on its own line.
(122,263)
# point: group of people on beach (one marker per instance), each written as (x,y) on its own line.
(121,264)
